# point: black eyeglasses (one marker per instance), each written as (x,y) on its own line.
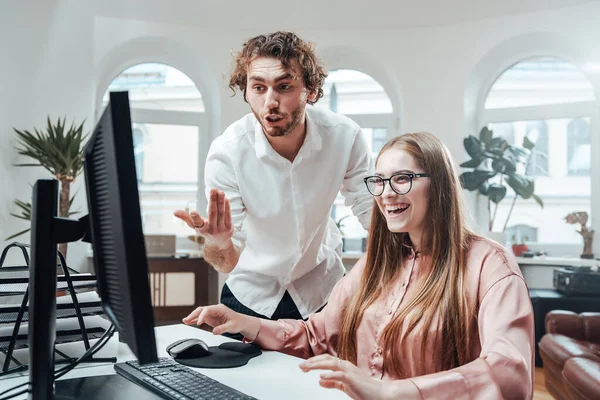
(400,183)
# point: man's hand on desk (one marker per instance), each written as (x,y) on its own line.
(347,377)
(217,229)
(224,320)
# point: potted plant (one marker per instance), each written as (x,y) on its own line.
(581,218)
(519,248)
(495,165)
(60,151)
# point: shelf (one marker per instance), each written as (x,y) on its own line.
(66,310)
(61,337)
(557,261)
(14,281)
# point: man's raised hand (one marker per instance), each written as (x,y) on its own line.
(217,229)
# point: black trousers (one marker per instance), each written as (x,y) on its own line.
(285,309)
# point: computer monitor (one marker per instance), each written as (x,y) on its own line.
(114,228)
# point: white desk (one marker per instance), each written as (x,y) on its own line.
(271,375)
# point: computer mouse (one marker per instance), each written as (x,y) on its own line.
(188,348)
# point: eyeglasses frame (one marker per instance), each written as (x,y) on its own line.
(410,175)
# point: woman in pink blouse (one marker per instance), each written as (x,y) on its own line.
(432,312)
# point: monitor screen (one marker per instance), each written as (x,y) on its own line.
(116,228)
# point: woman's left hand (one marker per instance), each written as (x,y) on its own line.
(346,377)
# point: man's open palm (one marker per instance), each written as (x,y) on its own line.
(217,229)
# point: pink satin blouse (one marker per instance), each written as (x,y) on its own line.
(502,360)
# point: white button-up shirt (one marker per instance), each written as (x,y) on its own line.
(281,209)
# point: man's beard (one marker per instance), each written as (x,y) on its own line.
(277,131)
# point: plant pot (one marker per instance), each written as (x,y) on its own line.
(519,249)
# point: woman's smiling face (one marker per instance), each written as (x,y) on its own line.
(403,212)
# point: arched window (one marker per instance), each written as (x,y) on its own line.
(578,147)
(360,97)
(167,113)
(542,99)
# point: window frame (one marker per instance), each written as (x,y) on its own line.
(585,109)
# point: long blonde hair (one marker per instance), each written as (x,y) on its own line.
(442,295)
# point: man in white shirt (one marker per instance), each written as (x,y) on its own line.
(271,180)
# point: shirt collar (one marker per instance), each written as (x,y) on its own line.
(312,141)
(410,251)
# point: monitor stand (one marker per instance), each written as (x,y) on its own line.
(101,388)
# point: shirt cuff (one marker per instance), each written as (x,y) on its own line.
(271,335)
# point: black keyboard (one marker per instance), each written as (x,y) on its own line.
(173,381)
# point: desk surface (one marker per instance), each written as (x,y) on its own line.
(271,375)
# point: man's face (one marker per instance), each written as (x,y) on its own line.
(277,95)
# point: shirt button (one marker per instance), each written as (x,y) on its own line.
(389,312)
(403,284)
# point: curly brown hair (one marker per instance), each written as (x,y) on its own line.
(287,48)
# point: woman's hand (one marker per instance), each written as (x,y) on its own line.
(223,319)
(348,378)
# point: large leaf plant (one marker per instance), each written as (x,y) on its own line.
(60,151)
(496,165)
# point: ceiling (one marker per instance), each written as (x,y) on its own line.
(264,15)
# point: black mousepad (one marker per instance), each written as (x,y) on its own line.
(225,355)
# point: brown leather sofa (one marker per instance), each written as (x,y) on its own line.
(570,350)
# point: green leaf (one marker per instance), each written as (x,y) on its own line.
(28,165)
(473,163)
(57,148)
(484,188)
(522,185)
(25,209)
(485,135)
(473,179)
(17,234)
(473,147)
(496,146)
(528,144)
(23,217)
(496,192)
(538,200)
(503,165)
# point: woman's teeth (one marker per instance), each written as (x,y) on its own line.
(396,209)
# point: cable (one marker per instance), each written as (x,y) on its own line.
(63,371)
(92,350)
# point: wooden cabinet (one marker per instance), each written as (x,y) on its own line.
(178,285)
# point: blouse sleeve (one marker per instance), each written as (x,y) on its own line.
(317,335)
(504,369)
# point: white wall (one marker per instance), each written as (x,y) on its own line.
(62,65)
(45,69)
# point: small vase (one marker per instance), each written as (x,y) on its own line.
(518,249)
(588,239)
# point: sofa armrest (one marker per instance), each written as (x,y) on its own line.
(584,326)
(591,326)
